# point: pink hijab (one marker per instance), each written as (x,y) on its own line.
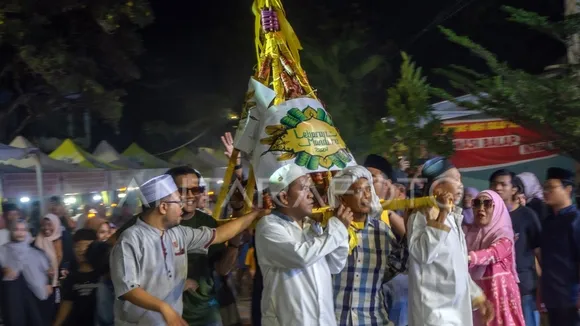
(482,238)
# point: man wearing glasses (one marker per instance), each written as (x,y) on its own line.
(200,305)
(560,250)
(149,263)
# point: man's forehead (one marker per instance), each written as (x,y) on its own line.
(187,180)
(361,182)
(554,181)
(502,178)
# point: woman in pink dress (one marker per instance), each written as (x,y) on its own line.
(492,265)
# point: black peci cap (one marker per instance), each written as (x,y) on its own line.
(567,177)
(380,163)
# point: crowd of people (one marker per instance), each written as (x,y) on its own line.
(507,255)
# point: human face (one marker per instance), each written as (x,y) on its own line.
(317,178)
(381,183)
(19,233)
(203,200)
(56,208)
(483,210)
(188,185)
(172,209)
(298,199)
(103,232)
(467,201)
(449,182)
(80,249)
(503,186)
(47,227)
(359,197)
(12,216)
(555,194)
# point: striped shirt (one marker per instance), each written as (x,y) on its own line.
(377,258)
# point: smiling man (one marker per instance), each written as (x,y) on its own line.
(149,262)
(296,256)
(200,305)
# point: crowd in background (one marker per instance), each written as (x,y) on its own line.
(520,236)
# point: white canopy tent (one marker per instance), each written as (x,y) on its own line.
(9,152)
(48,164)
(106,153)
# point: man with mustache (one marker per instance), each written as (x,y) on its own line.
(200,305)
(377,258)
(296,256)
(149,261)
(441,292)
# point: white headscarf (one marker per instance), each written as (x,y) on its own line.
(344,179)
(532,187)
(23,259)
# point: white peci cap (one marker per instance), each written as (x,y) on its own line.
(284,176)
(158,188)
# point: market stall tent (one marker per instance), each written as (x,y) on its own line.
(185,156)
(70,153)
(144,159)
(10,152)
(48,164)
(212,157)
(106,153)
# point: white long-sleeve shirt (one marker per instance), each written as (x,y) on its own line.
(296,265)
(441,291)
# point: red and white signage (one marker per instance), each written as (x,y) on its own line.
(488,143)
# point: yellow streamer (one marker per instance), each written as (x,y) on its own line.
(225,186)
(325,213)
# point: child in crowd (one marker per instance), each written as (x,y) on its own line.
(79,295)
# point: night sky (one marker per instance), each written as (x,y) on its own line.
(197,52)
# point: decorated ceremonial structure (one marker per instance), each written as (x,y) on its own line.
(283,121)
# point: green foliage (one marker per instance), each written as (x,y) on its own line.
(548,104)
(410,121)
(345,73)
(67,55)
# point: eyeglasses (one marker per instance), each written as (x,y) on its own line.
(194,190)
(487,203)
(551,187)
(180,203)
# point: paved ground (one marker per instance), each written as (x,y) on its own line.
(244,307)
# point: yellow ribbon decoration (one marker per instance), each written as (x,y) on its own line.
(225,186)
(325,213)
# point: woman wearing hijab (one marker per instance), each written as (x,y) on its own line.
(100,226)
(492,265)
(25,281)
(49,241)
(534,193)
(468,197)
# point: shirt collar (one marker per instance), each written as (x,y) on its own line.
(144,225)
(287,218)
(567,210)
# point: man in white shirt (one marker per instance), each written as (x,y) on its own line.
(149,260)
(441,291)
(296,256)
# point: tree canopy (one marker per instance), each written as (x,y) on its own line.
(548,103)
(65,56)
(410,126)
